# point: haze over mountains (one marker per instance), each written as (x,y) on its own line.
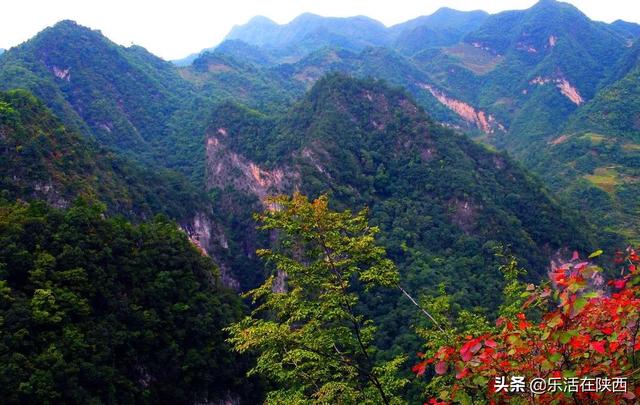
(460,131)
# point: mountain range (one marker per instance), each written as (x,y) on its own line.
(464,134)
(522,90)
(537,83)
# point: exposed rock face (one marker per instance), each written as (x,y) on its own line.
(280,282)
(570,92)
(463,214)
(559,140)
(526,47)
(485,122)
(314,156)
(63,74)
(49,192)
(207,236)
(563,85)
(227,168)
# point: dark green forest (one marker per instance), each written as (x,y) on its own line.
(98,310)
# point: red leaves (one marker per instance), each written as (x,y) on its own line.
(419,368)
(522,324)
(580,341)
(441,367)
(619,284)
(462,373)
(589,331)
(468,349)
(559,277)
(599,346)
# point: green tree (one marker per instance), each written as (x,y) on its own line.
(98,310)
(308,331)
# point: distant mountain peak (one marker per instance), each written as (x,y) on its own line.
(66,23)
(549,3)
(69,27)
(554,5)
(261,19)
(451,11)
(305,17)
(310,31)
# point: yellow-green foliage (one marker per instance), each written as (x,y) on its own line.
(475,59)
(605,177)
(308,329)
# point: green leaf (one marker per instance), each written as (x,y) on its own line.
(555,357)
(579,303)
(595,254)
(565,337)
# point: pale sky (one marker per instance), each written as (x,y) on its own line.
(174,29)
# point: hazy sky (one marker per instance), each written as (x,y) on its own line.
(173,29)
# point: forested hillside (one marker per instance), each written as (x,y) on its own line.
(482,154)
(445,205)
(42,159)
(129,100)
(99,310)
(525,81)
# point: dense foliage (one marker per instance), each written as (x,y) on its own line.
(101,311)
(308,328)
(541,73)
(41,159)
(370,145)
(575,335)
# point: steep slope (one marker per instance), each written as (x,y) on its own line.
(532,68)
(379,63)
(40,159)
(121,96)
(595,160)
(631,31)
(614,110)
(521,72)
(563,88)
(245,52)
(443,203)
(440,199)
(97,310)
(257,31)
